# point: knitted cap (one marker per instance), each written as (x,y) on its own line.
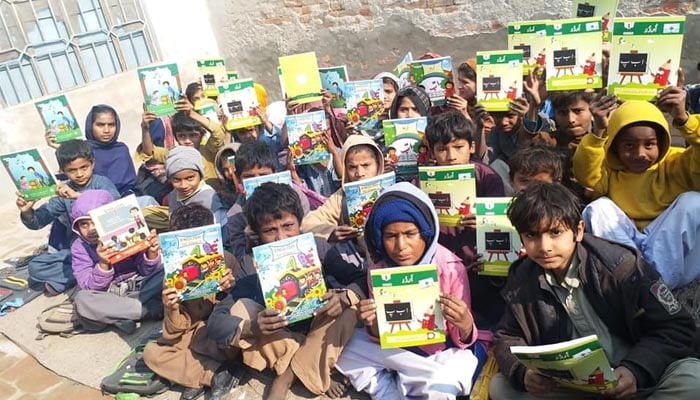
(183,157)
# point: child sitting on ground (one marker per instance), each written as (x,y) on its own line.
(573,285)
(112,294)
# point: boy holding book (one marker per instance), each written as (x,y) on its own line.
(112,294)
(306,350)
(573,285)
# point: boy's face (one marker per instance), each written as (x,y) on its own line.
(637,147)
(360,165)
(466,87)
(245,134)
(403,243)
(457,152)
(522,181)
(574,120)
(509,122)
(104,127)
(273,229)
(88,231)
(79,171)
(186,181)
(189,138)
(256,171)
(407,109)
(553,248)
(389,94)
(228,169)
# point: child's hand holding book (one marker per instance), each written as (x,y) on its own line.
(104,253)
(538,384)
(24,206)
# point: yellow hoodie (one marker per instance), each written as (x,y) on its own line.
(323,220)
(642,196)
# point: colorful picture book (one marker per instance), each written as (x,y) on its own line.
(408,309)
(121,225)
(300,78)
(193,260)
(578,364)
(435,76)
(30,174)
(645,56)
(605,9)
(531,38)
(451,188)
(306,137)
(212,74)
(496,238)
(574,54)
(290,276)
(333,79)
(364,103)
(161,88)
(250,184)
(402,70)
(208,108)
(238,102)
(59,119)
(361,195)
(404,142)
(499,78)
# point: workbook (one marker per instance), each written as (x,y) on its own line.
(121,225)
(497,240)
(212,74)
(299,78)
(404,143)
(452,189)
(435,76)
(605,9)
(238,102)
(574,54)
(161,88)
(59,119)
(30,174)
(361,195)
(499,78)
(333,79)
(364,103)
(531,38)
(307,141)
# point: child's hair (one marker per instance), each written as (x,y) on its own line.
(272,199)
(447,127)
(391,82)
(358,148)
(183,123)
(565,99)
(535,159)
(72,150)
(253,154)
(542,205)
(190,216)
(191,89)
(102,109)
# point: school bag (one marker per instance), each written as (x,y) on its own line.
(60,319)
(132,375)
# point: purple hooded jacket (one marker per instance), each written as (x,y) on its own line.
(86,268)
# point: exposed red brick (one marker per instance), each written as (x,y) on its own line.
(365,12)
(305,10)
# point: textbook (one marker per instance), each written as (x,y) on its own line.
(496,239)
(404,142)
(408,308)
(531,38)
(238,102)
(605,9)
(161,88)
(574,54)
(120,224)
(290,276)
(212,74)
(361,195)
(402,70)
(30,174)
(499,78)
(645,56)
(231,75)
(364,103)
(299,78)
(208,108)
(435,76)
(250,184)
(578,364)
(193,260)
(59,120)
(451,188)
(307,137)
(333,79)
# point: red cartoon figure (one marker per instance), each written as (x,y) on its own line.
(589,68)
(449,89)
(663,73)
(428,319)
(606,22)
(512,92)
(540,60)
(465,207)
(423,155)
(391,155)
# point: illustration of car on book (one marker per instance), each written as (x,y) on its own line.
(295,285)
(194,268)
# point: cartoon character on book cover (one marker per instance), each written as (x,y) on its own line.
(58,119)
(452,189)
(574,54)
(30,174)
(365,103)
(531,38)
(238,102)
(361,195)
(193,260)
(290,276)
(403,138)
(307,141)
(333,79)
(121,225)
(434,76)
(161,88)
(496,238)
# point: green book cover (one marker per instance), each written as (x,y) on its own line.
(238,102)
(435,76)
(212,74)
(232,75)
(59,120)
(496,239)
(574,55)
(531,38)
(499,78)
(404,143)
(408,309)
(451,188)
(300,78)
(30,174)
(579,364)
(645,56)
(402,70)
(605,9)
(161,88)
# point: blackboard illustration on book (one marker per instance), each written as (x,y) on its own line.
(565,61)
(496,238)
(574,54)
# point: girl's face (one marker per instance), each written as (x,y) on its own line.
(88,231)
(407,109)
(403,243)
(389,94)
(360,164)
(104,127)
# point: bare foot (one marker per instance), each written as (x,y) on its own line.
(339,385)
(280,386)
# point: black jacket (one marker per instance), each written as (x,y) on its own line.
(627,294)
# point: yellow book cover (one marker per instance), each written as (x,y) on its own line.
(300,77)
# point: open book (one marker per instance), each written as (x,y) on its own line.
(578,364)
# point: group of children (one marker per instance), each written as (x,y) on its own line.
(555,152)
